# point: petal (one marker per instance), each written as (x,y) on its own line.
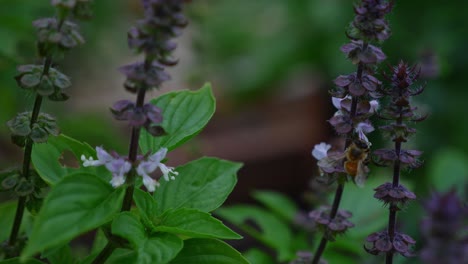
(103,156)
(146,167)
(320,150)
(150,183)
(168,172)
(117,180)
(158,156)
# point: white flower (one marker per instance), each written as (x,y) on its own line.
(147,167)
(320,150)
(374,106)
(362,129)
(116,165)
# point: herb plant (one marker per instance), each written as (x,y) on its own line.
(138,217)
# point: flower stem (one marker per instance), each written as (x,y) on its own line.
(128,198)
(340,189)
(396,181)
(132,155)
(105,254)
(27,160)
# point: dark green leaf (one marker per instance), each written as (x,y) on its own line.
(257,256)
(193,223)
(203,184)
(7,211)
(119,256)
(160,248)
(77,204)
(146,204)
(18,261)
(59,255)
(46,157)
(280,204)
(268,228)
(185,114)
(208,251)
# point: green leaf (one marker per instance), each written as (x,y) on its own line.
(146,204)
(45,158)
(59,255)
(208,251)
(160,248)
(128,226)
(123,256)
(185,114)
(99,242)
(18,261)
(203,184)
(193,223)
(74,206)
(7,211)
(119,256)
(280,204)
(257,256)
(269,229)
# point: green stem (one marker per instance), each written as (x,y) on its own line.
(105,254)
(25,174)
(27,156)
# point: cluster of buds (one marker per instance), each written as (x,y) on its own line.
(153,35)
(399,111)
(119,166)
(446,217)
(163,20)
(331,226)
(148,116)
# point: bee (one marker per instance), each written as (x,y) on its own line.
(356,157)
(352,160)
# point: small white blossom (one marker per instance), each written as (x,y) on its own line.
(116,165)
(147,167)
(362,129)
(374,106)
(320,150)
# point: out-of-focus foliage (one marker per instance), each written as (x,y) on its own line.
(18,46)
(251,45)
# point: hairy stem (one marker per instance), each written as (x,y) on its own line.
(27,160)
(393,207)
(132,155)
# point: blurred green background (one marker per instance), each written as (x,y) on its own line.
(248,49)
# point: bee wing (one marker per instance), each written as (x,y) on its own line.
(361,174)
(330,163)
